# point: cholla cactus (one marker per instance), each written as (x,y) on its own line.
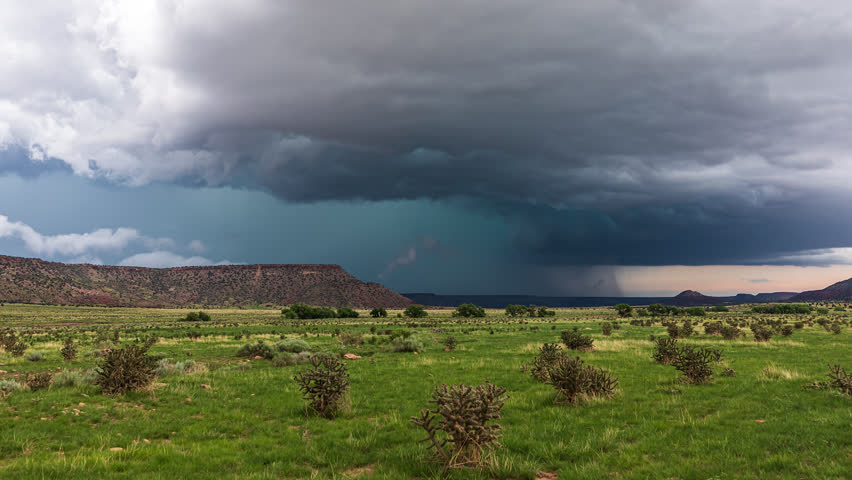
(840,379)
(459,427)
(325,385)
(573,380)
(548,354)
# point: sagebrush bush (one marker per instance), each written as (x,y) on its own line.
(164,367)
(574,380)
(575,340)
(35,357)
(292,345)
(39,380)
(258,349)
(125,369)
(460,424)
(285,359)
(409,344)
(665,350)
(7,387)
(325,384)
(70,378)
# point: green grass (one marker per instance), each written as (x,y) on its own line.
(252,422)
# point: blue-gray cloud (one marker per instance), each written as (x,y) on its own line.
(611,132)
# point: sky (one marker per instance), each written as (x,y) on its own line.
(616,147)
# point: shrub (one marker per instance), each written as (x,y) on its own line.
(35,357)
(7,387)
(730,332)
(196,317)
(415,311)
(606,327)
(696,362)
(720,308)
(407,344)
(761,333)
(573,380)
(259,349)
(665,350)
(74,378)
(787,330)
(450,342)
(623,310)
(303,312)
(68,350)
(324,385)
(547,356)
(164,367)
(348,338)
(292,345)
(575,340)
(696,311)
(378,312)
(516,310)
(17,349)
(469,310)
(673,330)
(285,359)
(713,328)
(460,426)
(125,369)
(39,381)
(686,329)
(346,312)
(836,328)
(838,378)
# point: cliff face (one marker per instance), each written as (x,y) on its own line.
(28,280)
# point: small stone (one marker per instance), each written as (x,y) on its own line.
(116,449)
(204,385)
(351,356)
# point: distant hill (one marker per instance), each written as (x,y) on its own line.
(839,292)
(29,280)
(688,298)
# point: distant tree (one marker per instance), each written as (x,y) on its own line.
(623,310)
(415,311)
(345,312)
(303,312)
(656,309)
(196,317)
(378,312)
(696,311)
(516,310)
(720,308)
(469,310)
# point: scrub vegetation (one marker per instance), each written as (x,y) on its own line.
(516,394)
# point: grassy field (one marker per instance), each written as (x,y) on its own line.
(764,422)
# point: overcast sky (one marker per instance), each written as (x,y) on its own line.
(552,147)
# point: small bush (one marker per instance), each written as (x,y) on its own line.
(258,349)
(68,350)
(460,426)
(450,342)
(787,330)
(292,345)
(606,328)
(164,367)
(285,359)
(17,349)
(573,380)
(730,332)
(324,385)
(39,381)
(196,317)
(35,357)
(836,328)
(575,340)
(409,344)
(7,387)
(125,369)
(74,378)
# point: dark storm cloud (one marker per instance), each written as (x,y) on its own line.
(614,132)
